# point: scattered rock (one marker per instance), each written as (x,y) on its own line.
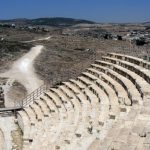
(78,135)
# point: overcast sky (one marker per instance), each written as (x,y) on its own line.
(95,10)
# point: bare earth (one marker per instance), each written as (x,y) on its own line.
(22,71)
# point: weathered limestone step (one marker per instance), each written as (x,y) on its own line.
(120,91)
(112,95)
(31,115)
(54,98)
(43,107)
(134,60)
(73,97)
(52,107)
(103,107)
(77,84)
(80,84)
(24,123)
(126,83)
(113,103)
(127,70)
(82,97)
(138,69)
(37,111)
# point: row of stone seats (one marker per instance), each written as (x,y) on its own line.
(119,90)
(54,108)
(82,80)
(81,111)
(80,128)
(137,65)
(85,100)
(57,102)
(122,72)
(125,67)
(129,87)
(85,95)
(130,131)
(113,99)
(57,105)
(134,60)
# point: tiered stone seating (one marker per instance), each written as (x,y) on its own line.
(134,60)
(138,66)
(127,84)
(105,108)
(119,90)
(113,99)
(84,122)
(141,84)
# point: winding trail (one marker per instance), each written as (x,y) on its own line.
(41,39)
(23,71)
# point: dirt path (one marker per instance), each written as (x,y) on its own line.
(23,71)
(41,39)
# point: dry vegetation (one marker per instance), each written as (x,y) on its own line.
(10,51)
(64,56)
(67,56)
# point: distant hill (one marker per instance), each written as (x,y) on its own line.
(57,21)
(146,23)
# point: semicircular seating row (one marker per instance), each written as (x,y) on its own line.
(106,108)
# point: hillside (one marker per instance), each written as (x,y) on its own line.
(146,23)
(56,21)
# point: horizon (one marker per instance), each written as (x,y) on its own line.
(99,11)
(148,21)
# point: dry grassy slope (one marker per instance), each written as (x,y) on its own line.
(10,51)
(19,35)
(67,56)
(64,56)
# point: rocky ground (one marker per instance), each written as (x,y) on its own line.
(67,56)
(64,55)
